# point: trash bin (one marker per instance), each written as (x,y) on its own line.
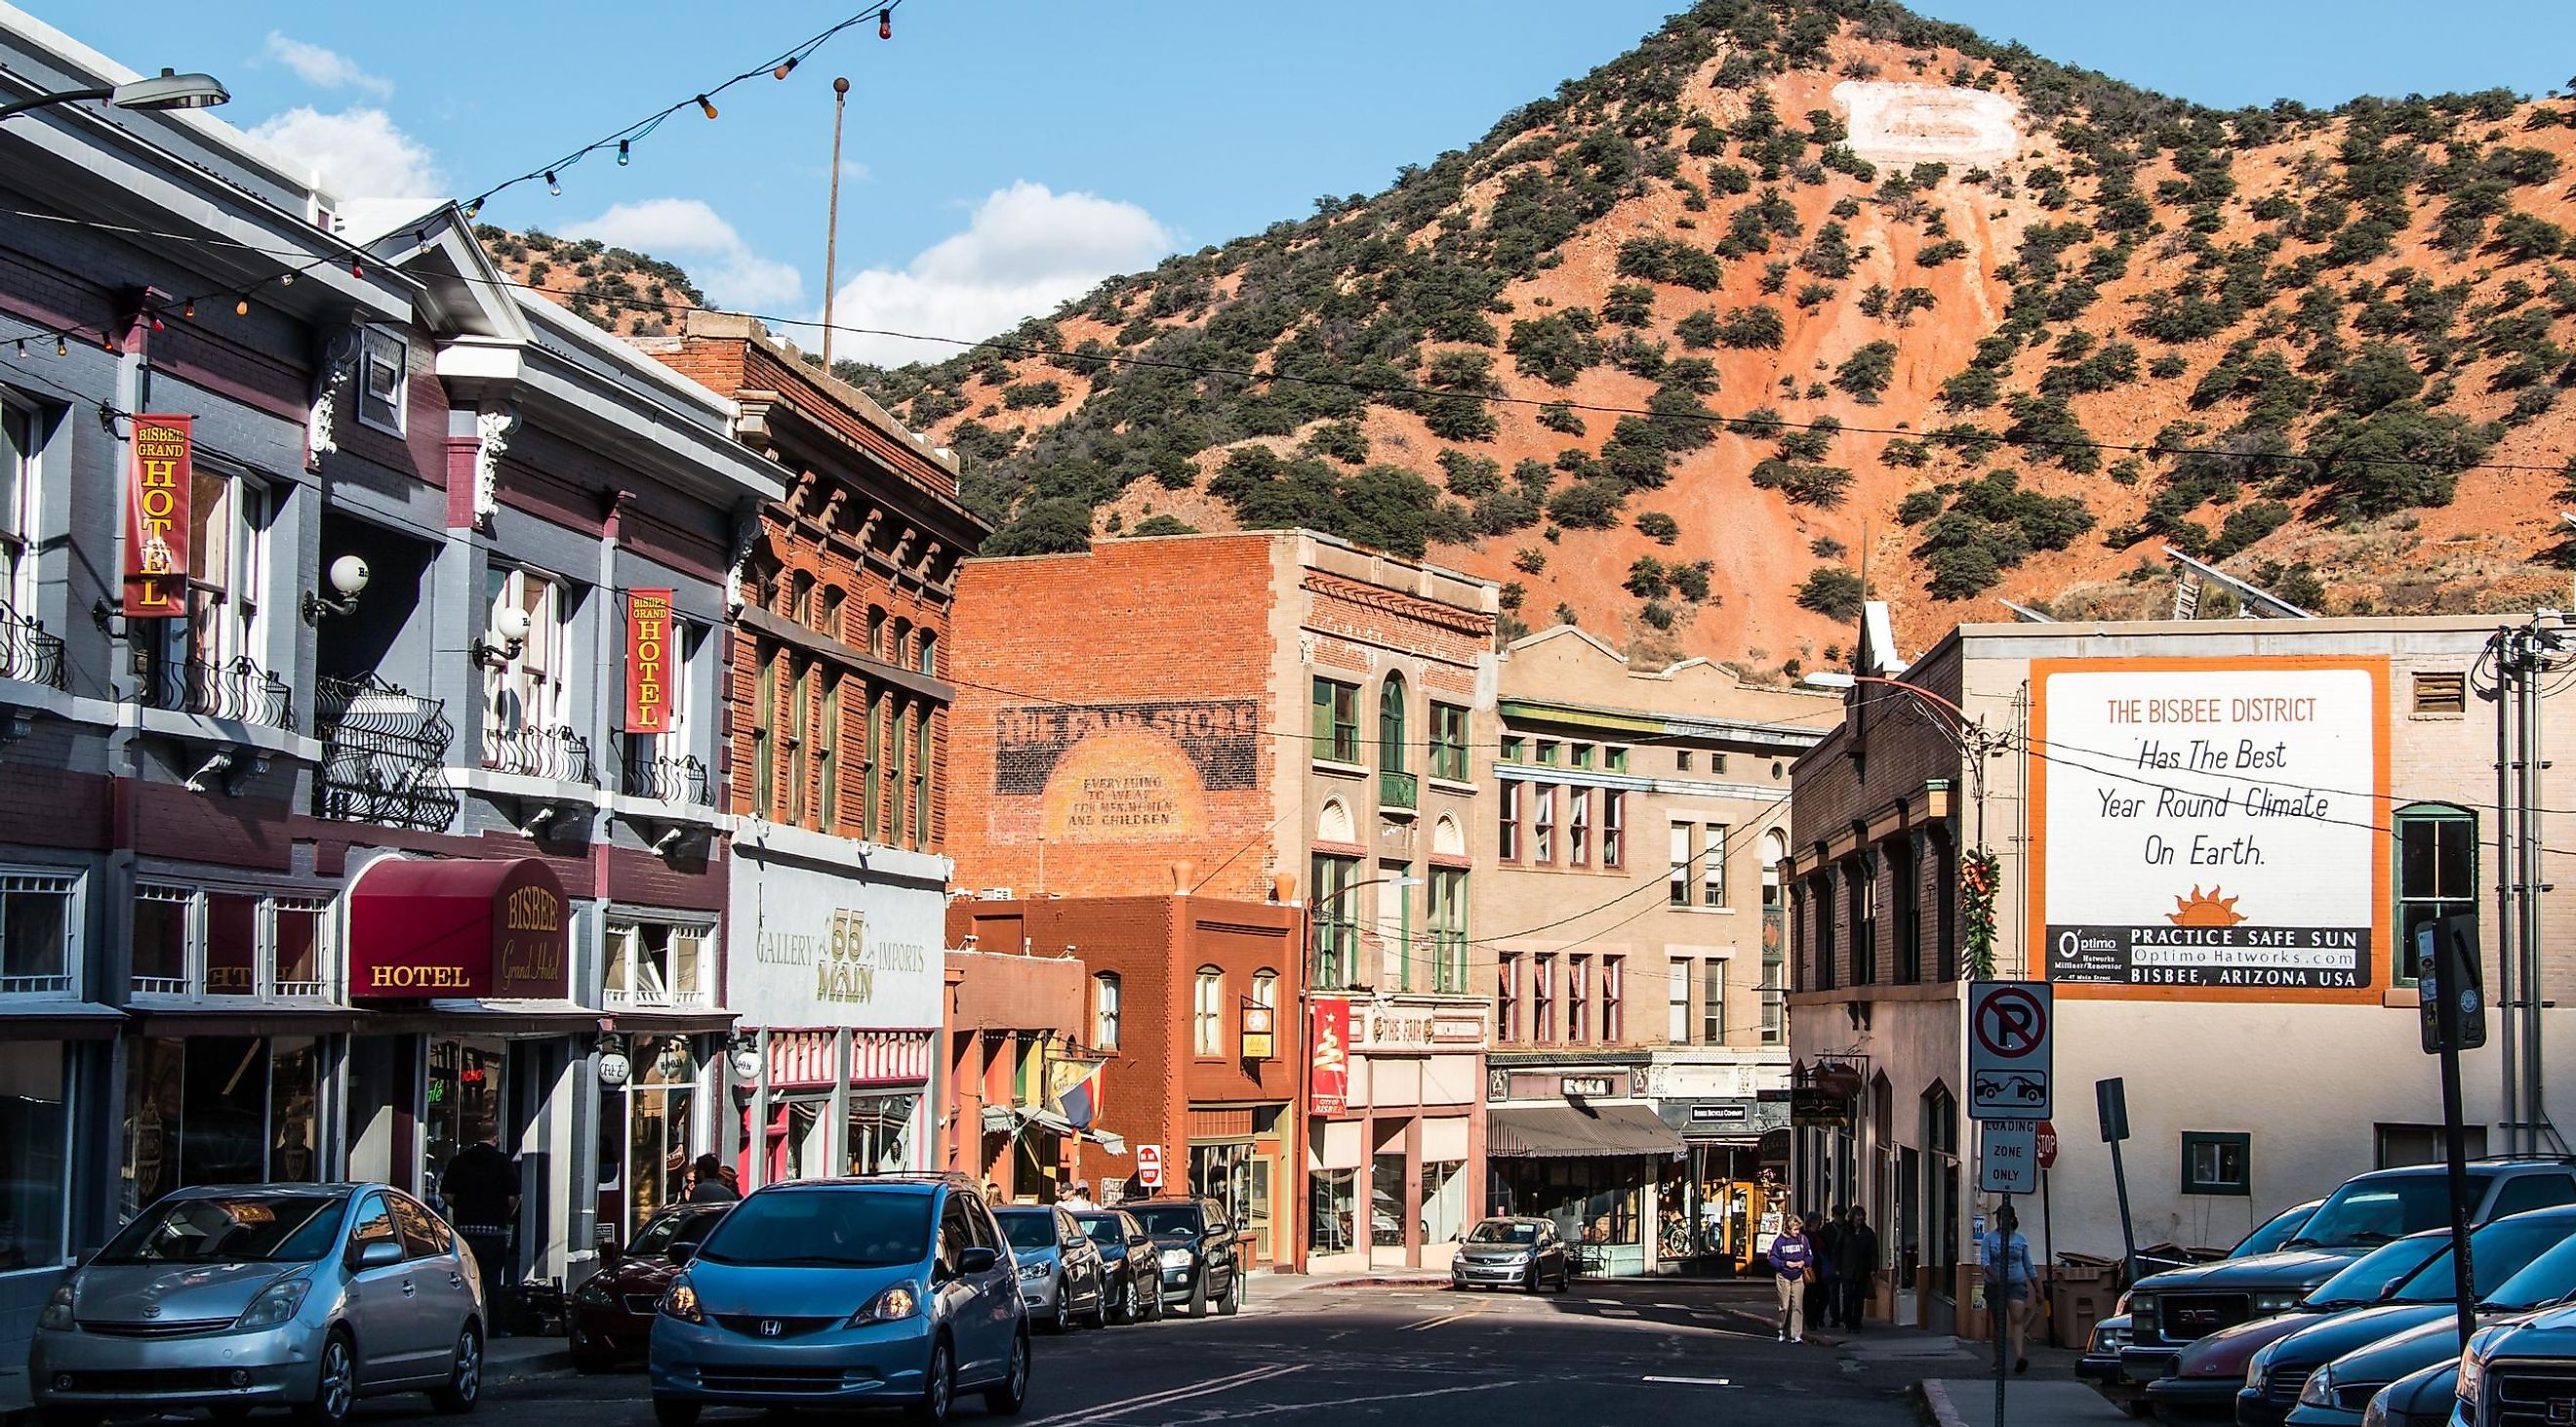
(2081,1291)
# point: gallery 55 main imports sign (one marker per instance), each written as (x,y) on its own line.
(2211,829)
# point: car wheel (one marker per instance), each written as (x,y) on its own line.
(1012,1394)
(1233,1299)
(1060,1319)
(335,1384)
(1098,1317)
(1564,1280)
(464,1375)
(672,1412)
(938,1388)
(1198,1296)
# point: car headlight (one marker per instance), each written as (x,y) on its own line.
(897,1303)
(2108,1340)
(2473,1378)
(1517,1256)
(681,1302)
(2122,1307)
(2142,1311)
(2257,1367)
(592,1291)
(1033,1270)
(2267,1304)
(1176,1258)
(275,1304)
(58,1309)
(2318,1390)
(2376,1414)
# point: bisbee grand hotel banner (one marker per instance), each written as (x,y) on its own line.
(2211,829)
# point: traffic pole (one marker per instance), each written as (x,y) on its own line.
(1999,1315)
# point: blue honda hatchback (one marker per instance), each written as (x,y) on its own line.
(845,1293)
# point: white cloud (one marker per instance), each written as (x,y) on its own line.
(324,69)
(360,152)
(1026,250)
(691,233)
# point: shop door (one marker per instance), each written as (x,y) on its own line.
(466,1081)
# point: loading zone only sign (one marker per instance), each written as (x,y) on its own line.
(2008,1049)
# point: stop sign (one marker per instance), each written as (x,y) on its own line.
(2046,1140)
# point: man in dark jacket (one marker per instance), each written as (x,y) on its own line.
(1855,1267)
(481,1186)
(711,1187)
(1824,1307)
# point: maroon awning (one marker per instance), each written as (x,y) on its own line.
(448,927)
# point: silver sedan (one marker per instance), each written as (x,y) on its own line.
(285,1295)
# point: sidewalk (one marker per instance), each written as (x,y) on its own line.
(2029,1402)
(517,1359)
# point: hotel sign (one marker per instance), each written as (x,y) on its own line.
(648,661)
(429,927)
(160,471)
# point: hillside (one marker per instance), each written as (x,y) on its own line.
(621,290)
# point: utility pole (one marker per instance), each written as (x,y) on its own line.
(2522,654)
(832,227)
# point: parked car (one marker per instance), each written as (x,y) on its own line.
(844,1293)
(2498,1251)
(2339,1392)
(1129,1264)
(297,1295)
(612,1311)
(2278,1230)
(2209,1374)
(2169,1311)
(2523,1371)
(1060,1269)
(2419,1399)
(1195,1243)
(1526,1254)
(2100,1366)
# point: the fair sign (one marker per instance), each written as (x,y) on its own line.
(2210,829)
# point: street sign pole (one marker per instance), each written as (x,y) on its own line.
(2450,987)
(1998,1315)
(2111,1103)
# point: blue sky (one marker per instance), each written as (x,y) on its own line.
(1004,154)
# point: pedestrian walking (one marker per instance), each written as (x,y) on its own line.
(1825,1233)
(1793,1264)
(2004,1255)
(1080,1201)
(481,1187)
(711,1187)
(1855,1267)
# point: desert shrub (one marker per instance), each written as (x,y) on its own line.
(1658,527)
(1559,417)
(1343,441)
(1867,372)
(1470,477)
(1587,505)
(1919,506)
(1834,592)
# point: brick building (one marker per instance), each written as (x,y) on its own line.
(1193,1058)
(1640,1051)
(1017,1023)
(2204,920)
(835,720)
(1255,706)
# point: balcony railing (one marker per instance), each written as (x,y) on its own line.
(642,774)
(651,998)
(234,689)
(28,653)
(1397,790)
(556,753)
(384,753)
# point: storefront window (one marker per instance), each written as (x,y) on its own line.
(34,1154)
(1328,1217)
(232,944)
(1593,1202)
(465,1084)
(1224,1173)
(219,1110)
(881,1132)
(657,1128)
(1386,1201)
(191,942)
(1444,1201)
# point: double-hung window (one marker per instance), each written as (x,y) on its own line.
(1578,826)
(1614,993)
(1677,1022)
(1712,1001)
(661,964)
(1543,1001)
(1507,999)
(1449,742)
(1543,829)
(20,510)
(2437,867)
(527,700)
(1449,928)
(1578,999)
(1712,866)
(1208,1014)
(1336,922)
(1106,989)
(1336,724)
(229,519)
(1614,828)
(1678,891)
(383,374)
(1507,843)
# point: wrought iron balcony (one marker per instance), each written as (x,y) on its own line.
(384,753)
(1397,790)
(556,753)
(234,689)
(28,653)
(643,774)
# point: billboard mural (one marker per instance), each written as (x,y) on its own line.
(2211,829)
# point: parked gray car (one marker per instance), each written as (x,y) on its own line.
(1526,1254)
(295,1295)
(1060,1269)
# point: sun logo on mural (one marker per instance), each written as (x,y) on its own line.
(2204,909)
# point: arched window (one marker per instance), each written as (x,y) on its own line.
(827,612)
(1265,994)
(1104,1011)
(876,632)
(929,662)
(899,644)
(1208,1018)
(1390,724)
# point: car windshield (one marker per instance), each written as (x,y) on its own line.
(1103,1228)
(2497,1253)
(237,1228)
(1171,1221)
(2542,1282)
(2368,1278)
(2369,1212)
(2274,1234)
(1028,1230)
(846,1227)
(662,1233)
(1504,1231)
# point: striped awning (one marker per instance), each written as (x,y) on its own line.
(1578,1132)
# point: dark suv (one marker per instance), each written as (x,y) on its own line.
(2169,1311)
(1195,1242)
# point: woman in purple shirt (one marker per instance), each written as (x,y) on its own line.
(1793,1259)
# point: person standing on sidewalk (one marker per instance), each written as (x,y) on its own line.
(1855,1267)
(1793,1263)
(1825,1301)
(481,1186)
(2010,1281)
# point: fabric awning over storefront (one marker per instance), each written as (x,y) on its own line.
(1011,1119)
(1578,1132)
(421,927)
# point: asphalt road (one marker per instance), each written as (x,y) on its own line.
(1617,1353)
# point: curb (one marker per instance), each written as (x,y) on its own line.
(520,1369)
(1937,1398)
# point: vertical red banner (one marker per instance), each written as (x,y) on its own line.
(648,661)
(160,469)
(1328,1087)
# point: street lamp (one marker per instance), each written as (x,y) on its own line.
(166,90)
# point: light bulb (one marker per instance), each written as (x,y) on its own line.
(242,308)
(473,208)
(286,280)
(621,153)
(61,348)
(551,186)
(885,23)
(22,349)
(707,106)
(357,269)
(784,69)
(156,324)
(189,311)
